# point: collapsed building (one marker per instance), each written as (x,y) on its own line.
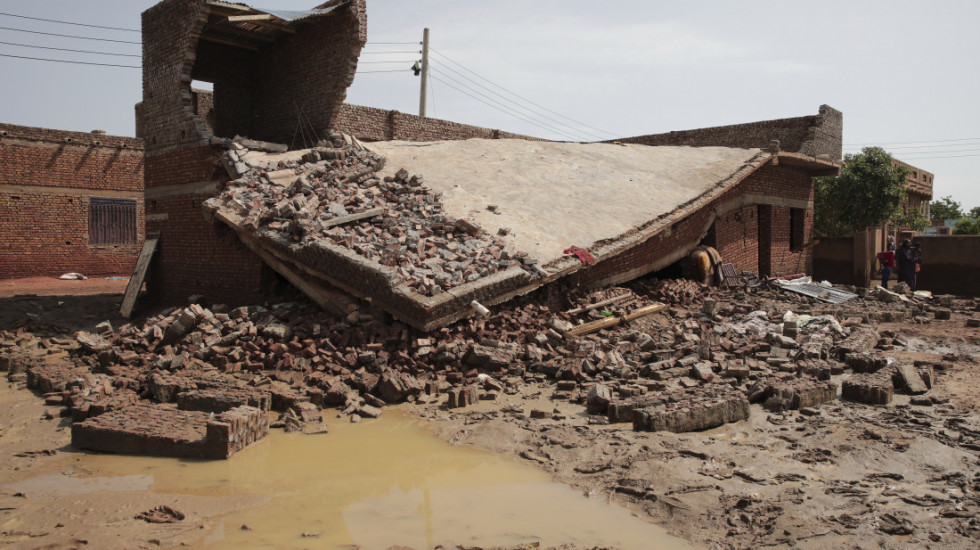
(280,78)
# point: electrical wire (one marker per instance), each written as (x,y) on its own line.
(914,143)
(392,43)
(391,71)
(532,112)
(69,50)
(72,62)
(388,53)
(510,110)
(518,96)
(71,36)
(70,23)
(949,157)
(375,62)
(510,113)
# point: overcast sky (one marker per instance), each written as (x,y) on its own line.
(905,74)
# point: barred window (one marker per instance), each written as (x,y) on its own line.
(111,221)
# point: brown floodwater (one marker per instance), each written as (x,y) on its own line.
(370,486)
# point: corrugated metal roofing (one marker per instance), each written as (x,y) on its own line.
(291,15)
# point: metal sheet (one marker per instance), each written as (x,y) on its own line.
(290,15)
(832,295)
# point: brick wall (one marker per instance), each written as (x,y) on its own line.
(812,135)
(261,95)
(47,178)
(736,237)
(194,256)
(371,124)
(767,254)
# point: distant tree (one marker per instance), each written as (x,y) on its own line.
(912,220)
(945,209)
(966,226)
(868,192)
(975,212)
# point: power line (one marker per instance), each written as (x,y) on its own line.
(849,145)
(521,97)
(510,110)
(949,157)
(391,71)
(369,62)
(70,23)
(71,36)
(72,62)
(519,106)
(391,43)
(917,153)
(69,50)
(510,113)
(388,53)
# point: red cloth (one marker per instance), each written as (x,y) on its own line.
(583,254)
(887,258)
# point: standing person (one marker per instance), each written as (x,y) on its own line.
(887,259)
(906,262)
(891,243)
(902,255)
(917,260)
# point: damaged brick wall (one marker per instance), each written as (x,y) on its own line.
(769,254)
(47,181)
(370,124)
(259,94)
(811,135)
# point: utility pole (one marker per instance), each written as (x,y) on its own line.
(425,71)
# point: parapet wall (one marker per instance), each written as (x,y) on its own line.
(820,134)
(371,124)
(49,180)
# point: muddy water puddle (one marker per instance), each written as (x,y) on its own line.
(376,484)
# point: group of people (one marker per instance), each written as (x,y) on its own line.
(908,257)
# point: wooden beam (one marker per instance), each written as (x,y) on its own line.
(340,220)
(613,321)
(249,18)
(606,302)
(232,43)
(263,20)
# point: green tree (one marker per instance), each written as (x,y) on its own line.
(966,226)
(911,219)
(975,212)
(945,209)
(868,192)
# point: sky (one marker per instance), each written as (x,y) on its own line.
(905,74)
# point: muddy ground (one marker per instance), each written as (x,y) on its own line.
(842,475)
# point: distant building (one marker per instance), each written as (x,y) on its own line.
(918,189)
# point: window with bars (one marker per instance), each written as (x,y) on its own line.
(111,221)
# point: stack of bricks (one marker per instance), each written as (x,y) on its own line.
(145,429)
(710,407)
(234,430)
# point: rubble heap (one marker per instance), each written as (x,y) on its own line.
(711,357)
(329,207)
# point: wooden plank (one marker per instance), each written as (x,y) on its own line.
(139,274)
(340,220)
(249,18)
(613,321)
(605,302)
